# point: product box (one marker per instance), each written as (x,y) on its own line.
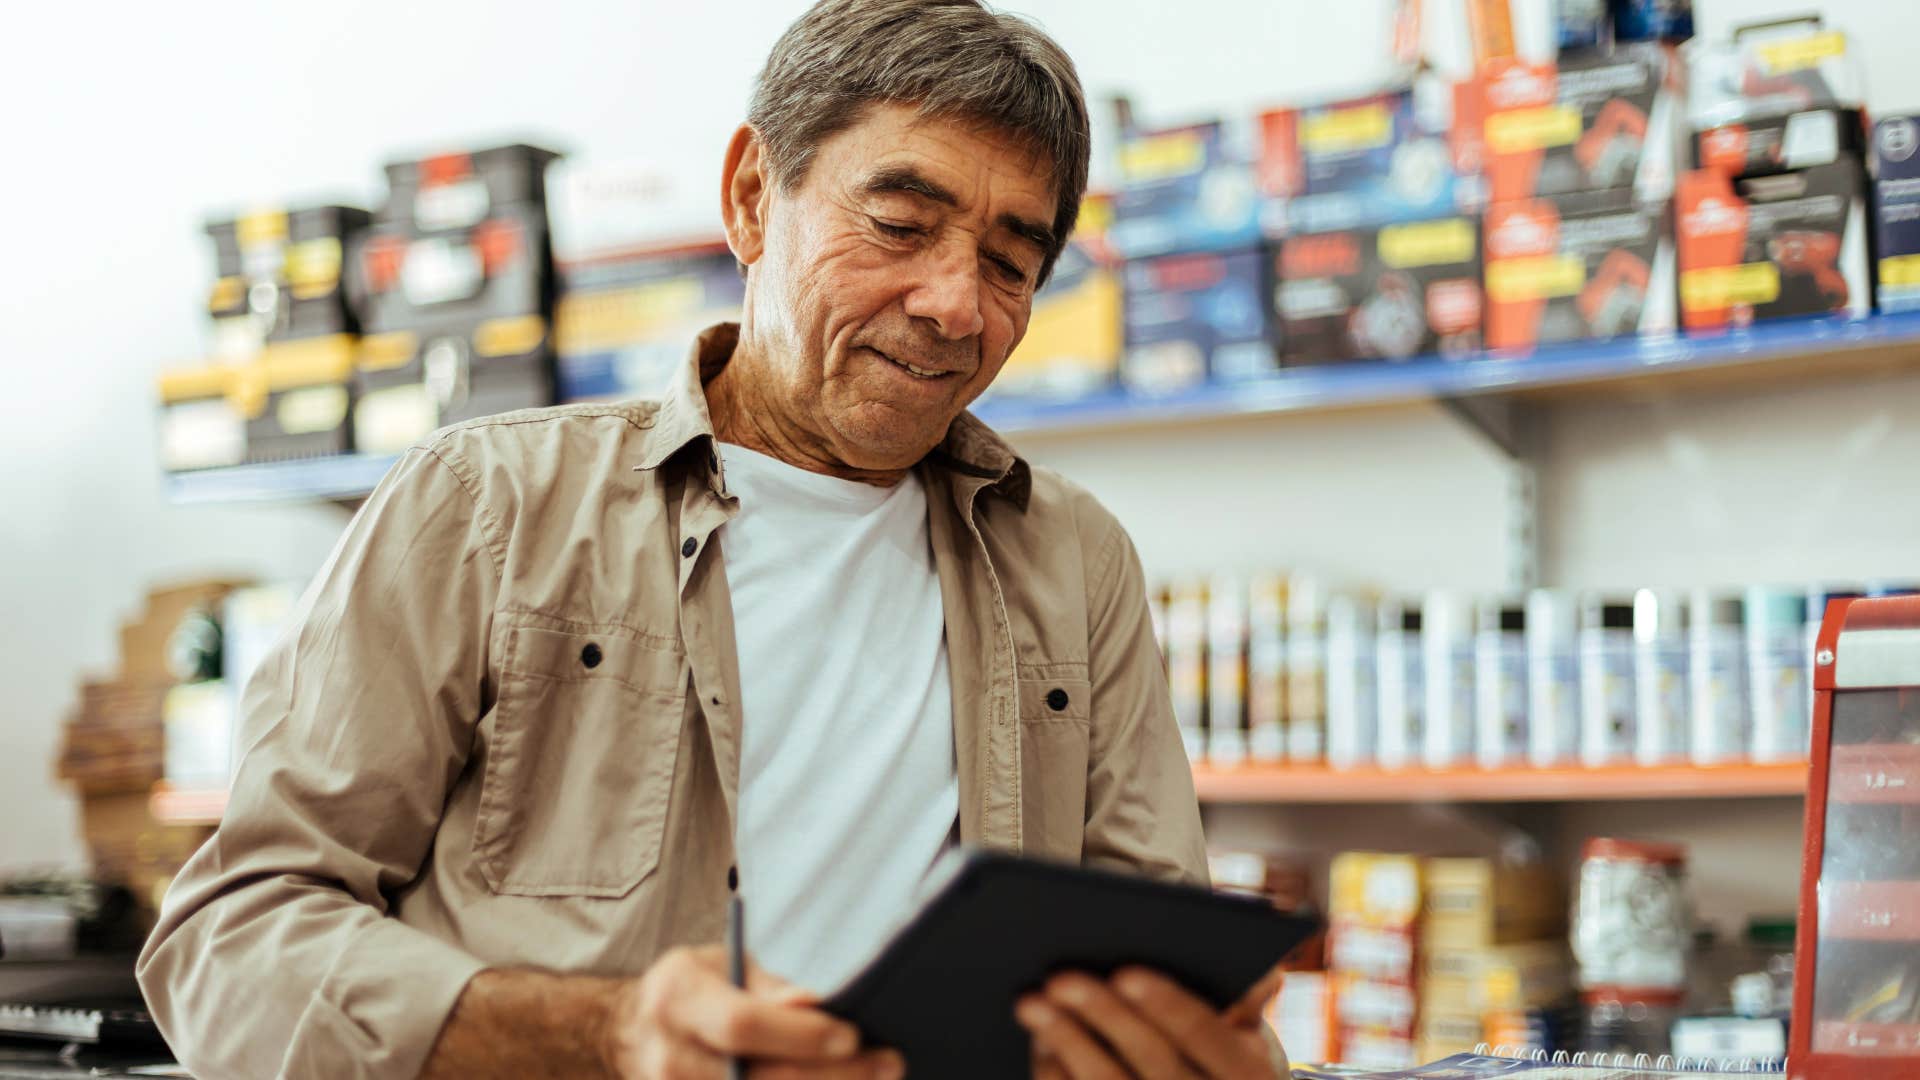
(1074,341)
(1896,196)
(1773,69)
(279,276)
(1759,247)
(1587,267)
(1391,292)
(623,324)
(297,398)
(1371,160)
(1592,122)
(1474,903)
(1384,1006)
(455,192)
(1778,144)
(1302,1016)
(1499,978)
(408,384)
(1194,317)
(1185,189)
(1374,889)
(1443,1034)
(200,427)
(498,268)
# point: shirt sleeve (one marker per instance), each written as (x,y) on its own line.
(275,954)
(1141,810)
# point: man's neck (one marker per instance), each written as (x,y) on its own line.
(744,415)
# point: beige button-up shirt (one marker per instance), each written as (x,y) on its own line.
(505,728)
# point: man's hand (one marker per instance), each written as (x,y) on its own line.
(683,1019)
(1142,1024)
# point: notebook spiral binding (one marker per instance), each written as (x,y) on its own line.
(1662,1063)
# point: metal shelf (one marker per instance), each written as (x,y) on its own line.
(1787,348)
(1282,784)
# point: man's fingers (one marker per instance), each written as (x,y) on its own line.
(697,1000)
(870,1065)
(1139,1044)
(1059,1036)
(1202,1035)
(1253,1005)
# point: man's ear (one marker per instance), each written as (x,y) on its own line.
(744,187)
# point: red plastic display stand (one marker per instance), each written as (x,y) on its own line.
(1856,993)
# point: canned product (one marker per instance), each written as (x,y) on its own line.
(1659,676)
(1500,684)
(1352,716)
(1402,681)
(1717,679)
(1606,682)
(1187,664)
(1266,668)
(1777,684)
(1553,686)
(1306,671)
(1631,926)
(1447,648)
(1226,670)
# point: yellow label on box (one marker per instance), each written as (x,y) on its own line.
(1428,243)
(383,352)
(593,321)
(260,227)
(1338,130)
(1723,286)
(1799,54)
(309,361)
(1535,277)
(509,337)
(313,267)
(314,409)
(1900,271)
(190,384)
(1533,129)
(1157,156)
(227,293)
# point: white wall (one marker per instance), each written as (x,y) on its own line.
(129,122)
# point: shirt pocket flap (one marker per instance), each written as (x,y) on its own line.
(1050,698)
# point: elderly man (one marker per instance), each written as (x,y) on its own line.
(799,624)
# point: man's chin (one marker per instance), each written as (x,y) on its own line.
(881,438)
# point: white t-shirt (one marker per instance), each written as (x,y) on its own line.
(848,789)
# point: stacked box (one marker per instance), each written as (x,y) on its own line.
(456,286)
(1183,190)
(1073,341)
(1195,316)
(1495,948)
(200,428)
(297,399)
(1896,197)
(1380,292)
(1374,957)
(623,323)
(1577,267)
(1775,222)
(280,277)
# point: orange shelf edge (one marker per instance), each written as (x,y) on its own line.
(1282,784)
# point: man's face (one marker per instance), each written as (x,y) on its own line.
(895,279)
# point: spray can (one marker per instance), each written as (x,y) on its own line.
(1553,684)
(1500,684)
(1659,676)
(1187,664)
(1226,671)
(1403,695)
(1606,682)
(1267,669)
(1447,630)
(1777,687)
(1352,718)
(1717,678)
(1306,671)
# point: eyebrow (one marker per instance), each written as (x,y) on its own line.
(904,178)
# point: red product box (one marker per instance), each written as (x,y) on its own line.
(1388,292)
(1757,247)
(1575,268)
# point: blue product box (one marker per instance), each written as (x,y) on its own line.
(1197,316)
(623,323)
(1185,189)
(1373,160)
(1896,198)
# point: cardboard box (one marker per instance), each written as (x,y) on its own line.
(1183,190)
(1896,188)
(1381,1005)
(1195,317)
(1376,890)
(280,276)
(1302,1016)
(1074,341)
(1479,902)
(1391,292)
(200,427)
(1500,978)
(1758,247)
(1587,267)
(1372,160)
(1443,1034)
(1594,121)
(623,324)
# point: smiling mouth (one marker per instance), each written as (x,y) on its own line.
(927,374)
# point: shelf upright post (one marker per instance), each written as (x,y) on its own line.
(1510,427)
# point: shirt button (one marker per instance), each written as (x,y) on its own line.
(590,655)
(1056,699)
(689,547)
(733,879)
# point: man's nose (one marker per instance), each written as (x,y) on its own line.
(948,290)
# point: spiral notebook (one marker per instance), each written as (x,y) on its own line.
(1522,1064)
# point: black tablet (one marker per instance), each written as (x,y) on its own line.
(995,926)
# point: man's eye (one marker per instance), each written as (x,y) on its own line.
(898,232)
(1009,270)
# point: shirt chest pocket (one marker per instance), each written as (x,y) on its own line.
(1055,708)
(580,763)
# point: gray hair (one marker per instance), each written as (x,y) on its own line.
(951,58)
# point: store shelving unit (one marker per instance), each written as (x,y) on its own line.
(1808,349)
(1280,784)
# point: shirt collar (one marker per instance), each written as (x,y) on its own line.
(970,448)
